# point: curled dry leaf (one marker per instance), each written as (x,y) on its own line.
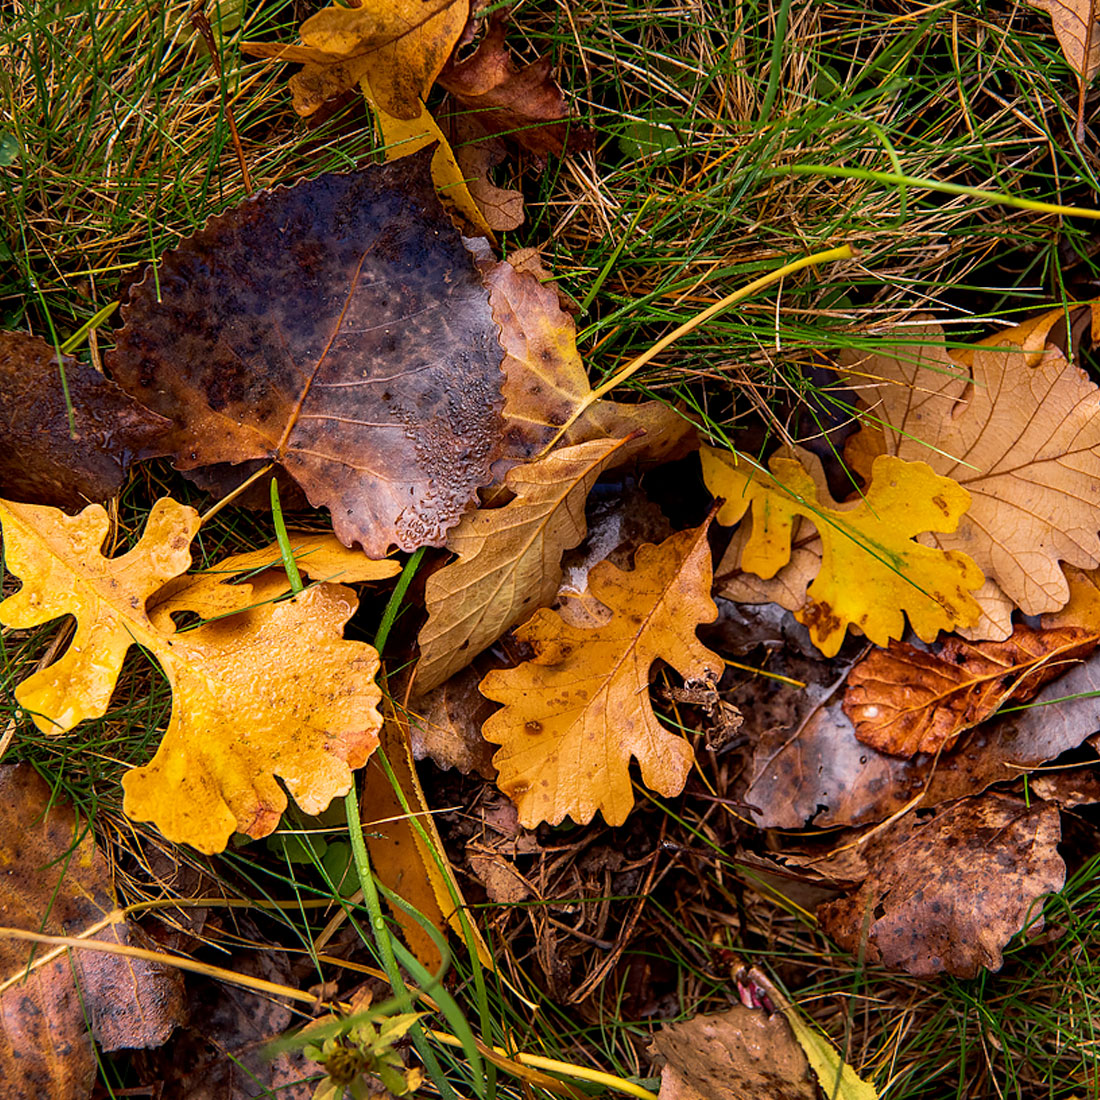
(872,572)
(948,894)
(247,707)
(42,460)
(401,44)
(508,559)
(337,328)
(545,382)
(56,881)
(477,156)
(1019,430)
(521,104)
(904,700)
(576,714)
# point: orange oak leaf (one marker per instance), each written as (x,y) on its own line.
(338,328)
(274,691)
(576,714)
(872,571)
(402,44)
(545,381)
(508,560)
(44,460)
(523,105)
(1019,429)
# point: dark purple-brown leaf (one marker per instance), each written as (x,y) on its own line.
(339,329)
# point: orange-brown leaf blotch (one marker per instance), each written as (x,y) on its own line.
(576,714)
(272,691)
(340,329)
(903,700)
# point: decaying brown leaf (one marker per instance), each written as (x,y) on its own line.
(247,706)
(903,700)
(741,1054)
(42,460)
(338,328)
(523,105)
(508,559)
(1020,431)
(545,382)
(576,714)
(56,881)
(446,725)
(1077,27)
(401,44)
(477,156)
(948,894)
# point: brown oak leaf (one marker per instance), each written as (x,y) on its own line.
(57,881)
(338,328)
(524,105)
(576,714)
(948,894)
(43,460)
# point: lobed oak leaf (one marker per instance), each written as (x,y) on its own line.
(401,44)
(43,460)
(338,328)
(545,381)
(903,700)
(248,706)
(576,714)
(524,105)
(508,560)
(476,156)
(872,572)
(57,882)
(1019,429)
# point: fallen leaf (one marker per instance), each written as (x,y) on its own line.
(903,700)
(523,105)
(508,559)
(1077,27)
(56,881)
(787,587)
(401,44)
(740,1054)
(247,707)
(446,725)
(948,894)
(871,569)
(545,382)
(477,156)
(338,328)
(838,1080)
(576,714)
(1066,788)
(1020,431)
(43,461)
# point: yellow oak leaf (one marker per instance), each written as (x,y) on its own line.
(872,572)
(577,712)
(1015,423)
(508,559)
(402,45)
(275,691)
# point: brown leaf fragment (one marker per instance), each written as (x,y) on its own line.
(446,725)
(1077,27)
(579,711)
(948,894)
(1067,788)
(903,700)
(42,461)
(56,881)
(477,156)
(338,328)
(741,1054)
(522,104)
(508,559)
(545,382)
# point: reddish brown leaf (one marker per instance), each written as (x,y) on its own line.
(903,700)
(948,894)
(56,881)
(338,328)
(42,461)
(524,105)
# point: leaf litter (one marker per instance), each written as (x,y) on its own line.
(342,331)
